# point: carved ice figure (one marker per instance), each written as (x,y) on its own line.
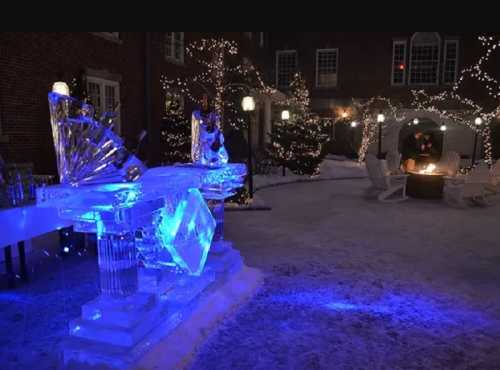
(207,140)
(87,150)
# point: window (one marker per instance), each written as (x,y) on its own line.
(286,66)
(398,76)
(326,67)
(174,102)
(450,61)
(174,46)
(424,60)
(104,95)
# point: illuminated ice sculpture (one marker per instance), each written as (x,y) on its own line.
(154,231)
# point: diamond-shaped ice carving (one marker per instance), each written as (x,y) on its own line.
(186,229)
(88,151)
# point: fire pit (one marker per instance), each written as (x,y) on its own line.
(426,183)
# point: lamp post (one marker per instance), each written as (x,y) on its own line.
(478,122)
(380,121)
(248,105)
(285,116)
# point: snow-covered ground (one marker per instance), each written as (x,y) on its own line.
(331,168)
(350,284)
(356,284)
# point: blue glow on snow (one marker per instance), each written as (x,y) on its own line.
(406,307)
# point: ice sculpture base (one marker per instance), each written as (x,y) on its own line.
(161,327)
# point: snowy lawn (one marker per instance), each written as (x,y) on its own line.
(329,169)
(356,284)
(351,284)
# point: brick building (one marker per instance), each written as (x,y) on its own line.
(340,66)
(126,67)
(115,67)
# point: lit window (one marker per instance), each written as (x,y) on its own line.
(450,61)
(174,46)
(286,67)
(104,95)
(174,102)
(326,67)
(398,62)
(424,60)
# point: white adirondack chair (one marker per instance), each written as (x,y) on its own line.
(469,189)
(393,159)
(387,187)
(449,163)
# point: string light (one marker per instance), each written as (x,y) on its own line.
(218,61)
(447,105)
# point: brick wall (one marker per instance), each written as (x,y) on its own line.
(31,62)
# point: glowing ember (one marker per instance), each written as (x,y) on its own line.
(428,170)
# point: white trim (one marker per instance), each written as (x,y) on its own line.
(102,90)
(279,52)
(336,67)
(438,60)
(110,36)
(446,42)
(394,43)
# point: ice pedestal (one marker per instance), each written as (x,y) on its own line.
(154,237)
(117,264)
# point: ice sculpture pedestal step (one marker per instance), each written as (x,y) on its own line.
(182,315)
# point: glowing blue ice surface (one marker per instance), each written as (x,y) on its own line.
(187,231)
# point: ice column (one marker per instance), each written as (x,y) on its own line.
(117,264)
(216,206)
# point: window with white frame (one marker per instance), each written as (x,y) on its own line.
(398,76)
(104,95)
(174,101)
(174,46)
(450,61)
(286,67)
(326,67)
(424,58)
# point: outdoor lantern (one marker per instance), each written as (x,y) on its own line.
(248,103)
(344,114)
(478,121)
(354,124)
(285,115)
(442,127)
(415,121)
(61,88)
(380,118)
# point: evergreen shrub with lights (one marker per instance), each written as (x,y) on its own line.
(298,143)
(175,136)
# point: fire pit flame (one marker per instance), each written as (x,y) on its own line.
(428,170)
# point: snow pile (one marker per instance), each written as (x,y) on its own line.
(332,167)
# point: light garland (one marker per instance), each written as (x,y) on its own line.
(217,59)
(449,105)
(297,142)
(367,114)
